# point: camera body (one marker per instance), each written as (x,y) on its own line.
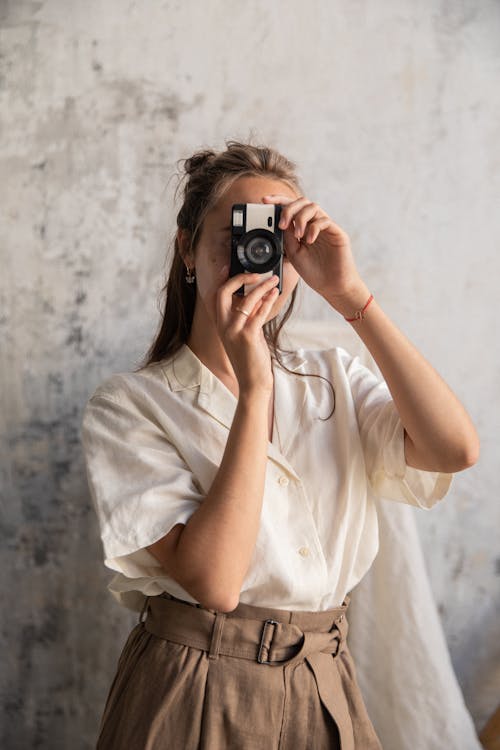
(256,242)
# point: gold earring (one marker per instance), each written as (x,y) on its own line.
(190,277)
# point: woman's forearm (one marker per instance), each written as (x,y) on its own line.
(215,547)
(439,433)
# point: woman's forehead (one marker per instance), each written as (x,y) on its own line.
(252,190)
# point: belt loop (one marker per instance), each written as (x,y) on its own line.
(216,635)
(263,645)
(144,608)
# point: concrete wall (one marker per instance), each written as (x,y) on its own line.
(391,110)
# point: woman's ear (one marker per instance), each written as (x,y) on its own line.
(184,246)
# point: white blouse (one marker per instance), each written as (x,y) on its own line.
(153,442)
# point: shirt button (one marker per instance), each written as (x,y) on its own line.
(283,481)
(304,551)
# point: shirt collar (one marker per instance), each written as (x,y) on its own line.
(186,371)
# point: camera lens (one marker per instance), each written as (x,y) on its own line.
(259,251)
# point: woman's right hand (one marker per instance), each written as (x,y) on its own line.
(242,335)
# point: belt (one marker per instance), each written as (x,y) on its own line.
(271,637)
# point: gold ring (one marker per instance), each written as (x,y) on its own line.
(241,310)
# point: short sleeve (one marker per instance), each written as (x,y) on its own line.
(382,438)
(140,485)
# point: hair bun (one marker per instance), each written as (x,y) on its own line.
(198,161)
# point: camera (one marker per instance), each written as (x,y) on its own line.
(256,242)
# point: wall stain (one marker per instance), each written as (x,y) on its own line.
(458,568)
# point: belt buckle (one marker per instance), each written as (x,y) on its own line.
(259,656)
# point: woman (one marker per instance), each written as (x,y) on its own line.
(234,481)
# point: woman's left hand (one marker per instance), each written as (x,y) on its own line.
(319,250)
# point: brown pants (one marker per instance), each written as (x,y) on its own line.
(189,678)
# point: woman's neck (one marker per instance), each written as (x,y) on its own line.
(204,341)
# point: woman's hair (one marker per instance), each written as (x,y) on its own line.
(208,175)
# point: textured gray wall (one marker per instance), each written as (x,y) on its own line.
(392,111)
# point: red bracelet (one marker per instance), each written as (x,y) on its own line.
(360,314)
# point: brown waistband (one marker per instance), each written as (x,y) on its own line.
(263,634)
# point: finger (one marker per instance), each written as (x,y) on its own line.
(304,216)
(233,283)
(249,300)
(289,204)
(225,290)
(260,314)
(314,228)
(277,198)
(289,211)
(235,318)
